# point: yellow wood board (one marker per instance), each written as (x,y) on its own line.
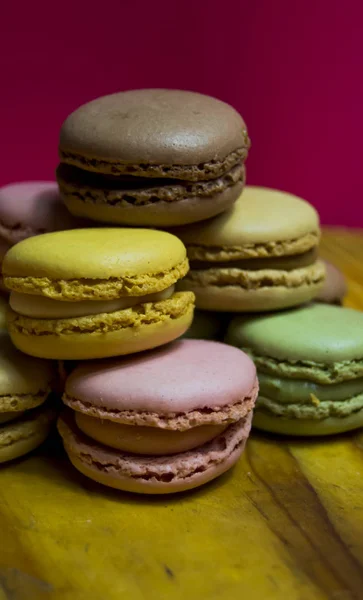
(287,523)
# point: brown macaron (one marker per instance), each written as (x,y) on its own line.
(156,158)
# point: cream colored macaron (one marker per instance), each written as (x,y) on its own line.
(260,255)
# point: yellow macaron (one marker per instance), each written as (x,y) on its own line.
(25,383)
(94,293)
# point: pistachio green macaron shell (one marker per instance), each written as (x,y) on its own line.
(303,338)
(306,427)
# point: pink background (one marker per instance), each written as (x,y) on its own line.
(293,69)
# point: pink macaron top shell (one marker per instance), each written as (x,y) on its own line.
(180,377)
(31,208)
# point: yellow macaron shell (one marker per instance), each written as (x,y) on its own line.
(102,263)
(107,334)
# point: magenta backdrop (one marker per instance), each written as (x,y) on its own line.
(294,69)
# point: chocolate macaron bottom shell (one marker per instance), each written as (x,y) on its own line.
(158,214)
(152,474)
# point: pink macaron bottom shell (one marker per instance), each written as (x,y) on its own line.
(154,474)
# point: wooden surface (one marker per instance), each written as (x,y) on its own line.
(287,523)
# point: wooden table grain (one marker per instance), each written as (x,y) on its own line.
(287,523)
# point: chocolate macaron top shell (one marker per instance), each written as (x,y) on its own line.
(155,133)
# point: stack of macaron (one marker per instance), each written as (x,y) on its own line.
(153,216)
(27,209)
(145,412)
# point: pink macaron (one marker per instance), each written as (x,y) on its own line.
(30,208)
(163,421)
(335,286)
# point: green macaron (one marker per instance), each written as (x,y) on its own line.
(310,366)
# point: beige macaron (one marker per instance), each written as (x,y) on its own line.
(260,255)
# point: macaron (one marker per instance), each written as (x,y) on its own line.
(310,367)
(260,255)
(335,286)
(131,427)
(152,157)
(25,384)
(94,293)
(29,208)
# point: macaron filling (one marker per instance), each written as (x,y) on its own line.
(287,391)
(311,398)
(39,307)
(299,399)
(145,440)
(5,417)
(284,263)
(89,187)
